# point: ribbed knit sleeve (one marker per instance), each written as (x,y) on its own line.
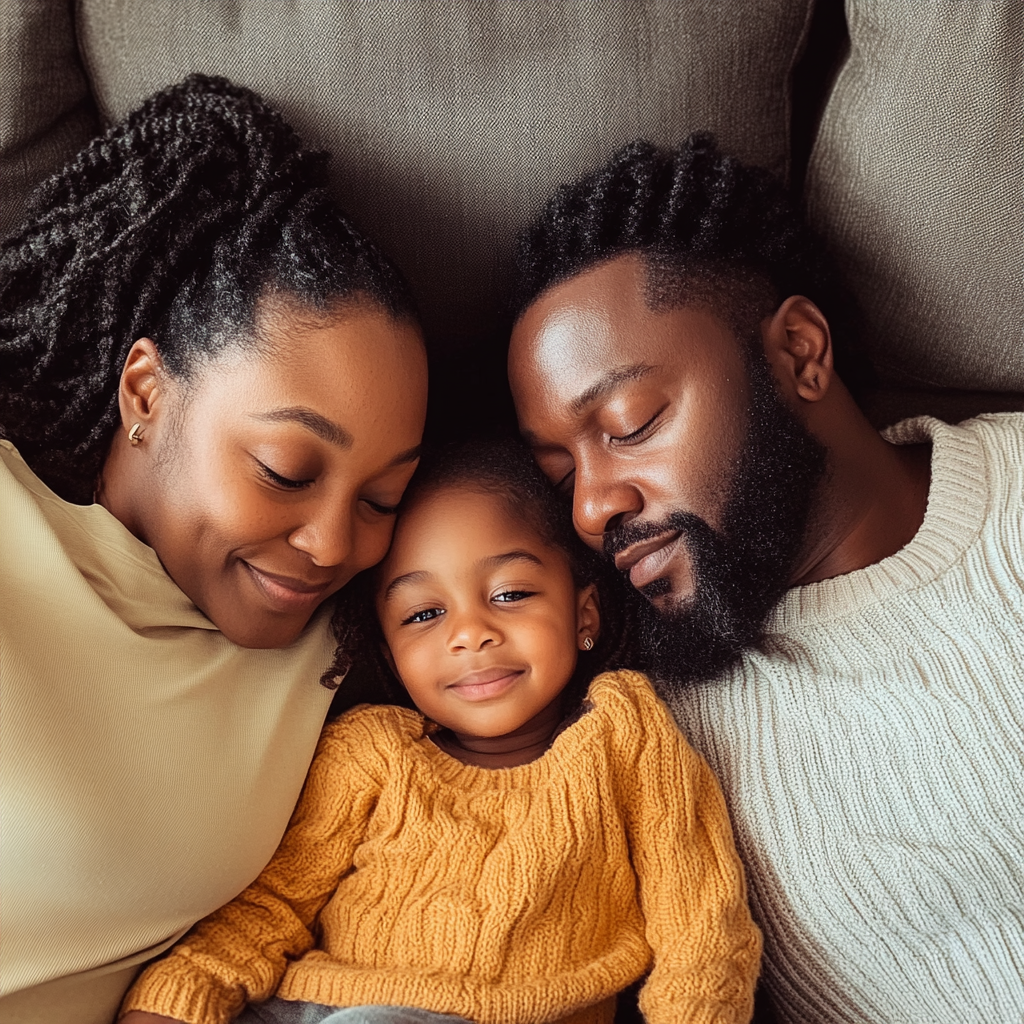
(240,952)
(707,950)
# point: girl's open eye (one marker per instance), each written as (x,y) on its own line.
(424,615)
(507,596)
(640,433)
(281,481)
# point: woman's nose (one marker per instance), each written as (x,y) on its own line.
(326,536)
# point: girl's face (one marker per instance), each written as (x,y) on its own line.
(481,616)
(271,478)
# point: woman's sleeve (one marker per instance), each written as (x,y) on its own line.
(707,949)
(239,953)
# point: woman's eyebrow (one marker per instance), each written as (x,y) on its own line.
(311,420)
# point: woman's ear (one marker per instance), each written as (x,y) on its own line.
(143,382)
(798,344)
(588,617)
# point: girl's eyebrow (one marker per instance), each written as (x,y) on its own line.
(491,561)
(404,580)
(519,555)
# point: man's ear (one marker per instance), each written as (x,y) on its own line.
(143,383)
(798,345)
(588,616)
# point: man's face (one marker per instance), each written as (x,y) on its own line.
(682,461)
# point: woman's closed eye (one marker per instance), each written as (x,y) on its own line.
(281,481)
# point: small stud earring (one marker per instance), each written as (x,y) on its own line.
(588,644)
(135,435)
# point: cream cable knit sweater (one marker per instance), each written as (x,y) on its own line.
(872,753)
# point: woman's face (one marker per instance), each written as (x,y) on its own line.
(270,478)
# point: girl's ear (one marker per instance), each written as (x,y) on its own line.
(588,617)
(390,659)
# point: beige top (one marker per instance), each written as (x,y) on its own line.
(148,766)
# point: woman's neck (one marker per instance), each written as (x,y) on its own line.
(521,746)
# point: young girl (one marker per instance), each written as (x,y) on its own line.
(520,848)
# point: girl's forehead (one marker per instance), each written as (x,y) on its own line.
(448,528)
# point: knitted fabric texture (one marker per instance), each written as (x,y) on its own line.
(506,896)
(872,752)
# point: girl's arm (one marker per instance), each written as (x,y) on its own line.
(240,952)
(707,950)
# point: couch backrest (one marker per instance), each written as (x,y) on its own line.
(451,122)
(917,181)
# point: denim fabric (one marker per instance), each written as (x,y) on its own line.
(284,1011)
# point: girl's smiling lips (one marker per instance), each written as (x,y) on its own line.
(485,683)
(287,592)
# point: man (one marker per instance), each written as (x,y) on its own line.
(842,612)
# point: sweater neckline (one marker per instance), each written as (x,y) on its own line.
(955,513)
(565,747)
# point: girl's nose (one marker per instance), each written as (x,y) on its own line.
(471,632)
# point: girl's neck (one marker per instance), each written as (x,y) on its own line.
(520,746)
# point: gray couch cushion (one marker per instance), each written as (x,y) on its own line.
(917,178)
(451,121)
(46,111)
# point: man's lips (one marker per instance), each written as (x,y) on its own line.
(646,561)
(287,591)
(485,683)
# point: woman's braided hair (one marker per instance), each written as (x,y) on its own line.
(710,229)
(172,226)
(506,469)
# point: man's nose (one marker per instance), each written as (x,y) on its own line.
(601,505)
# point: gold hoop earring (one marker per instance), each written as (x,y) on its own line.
(588,644)
(135,435)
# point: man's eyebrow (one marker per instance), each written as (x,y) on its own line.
(319,425)
(609,382)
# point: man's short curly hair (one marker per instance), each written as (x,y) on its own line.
(710,230)
(173,225)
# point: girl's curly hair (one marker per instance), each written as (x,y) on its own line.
(506,469)
(172,225)
(710,230)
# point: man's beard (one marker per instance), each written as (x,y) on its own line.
(740,572)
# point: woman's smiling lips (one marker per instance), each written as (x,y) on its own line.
(645,562)
(287,592)
(485,683)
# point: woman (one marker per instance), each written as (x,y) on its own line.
(212,391)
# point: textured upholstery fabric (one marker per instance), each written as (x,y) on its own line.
(451,121)
(918,180)
(46,110)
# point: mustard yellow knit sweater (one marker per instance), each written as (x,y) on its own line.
(506,896)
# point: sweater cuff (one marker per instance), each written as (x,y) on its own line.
(161,989)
